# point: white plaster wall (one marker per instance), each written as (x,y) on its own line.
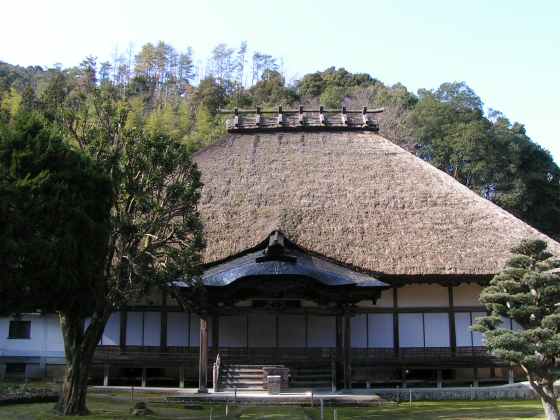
(411,330)
(177,329)
(233,331)
(321,331)
(112,332)
(194,339)
(386,299)
(262,330)
(359,331)
(291,331)
(152,329)
(422,295)
(381,330)
(134,329)
(55,341)
(466,295)
(4,329)
(436,329)
(34,346)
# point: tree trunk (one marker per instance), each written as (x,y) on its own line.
(545,390)
(79,347)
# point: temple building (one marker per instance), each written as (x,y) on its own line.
(334,258)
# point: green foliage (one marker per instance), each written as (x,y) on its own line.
(445,126)
(54,219)
(271,91)
(494,158)
(315,84)
(528,292)
(333,96)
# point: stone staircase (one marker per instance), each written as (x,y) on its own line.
(242,377)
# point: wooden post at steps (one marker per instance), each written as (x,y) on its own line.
(203,356)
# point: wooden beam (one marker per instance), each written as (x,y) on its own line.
(203,356)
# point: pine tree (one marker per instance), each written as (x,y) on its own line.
(528,292)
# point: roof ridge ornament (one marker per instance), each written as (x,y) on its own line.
(312,119)
(276,249)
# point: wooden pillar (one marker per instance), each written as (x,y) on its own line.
(475,377)
(203,356)
(306,321)
(106,370)
(216,334)
(511,378)
(122,338)
(339,357)
(181,376)
(333,374)
(396,321)
(439,378)
(347,351)
(144,377)
(163,323)
(452,331)
(276,336)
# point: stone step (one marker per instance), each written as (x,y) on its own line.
(245,381)
(242,386)
(240,373)
(250,366)
(241,378)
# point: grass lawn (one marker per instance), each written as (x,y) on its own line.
(105,408)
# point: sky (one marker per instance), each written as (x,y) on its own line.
(508,51)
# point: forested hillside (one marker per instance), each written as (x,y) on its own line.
(163,92)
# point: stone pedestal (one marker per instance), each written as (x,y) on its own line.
(273,384)
(282,372)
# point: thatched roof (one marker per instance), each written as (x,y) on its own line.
(353,197)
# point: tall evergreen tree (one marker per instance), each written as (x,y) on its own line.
(154,233)
(54,229)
